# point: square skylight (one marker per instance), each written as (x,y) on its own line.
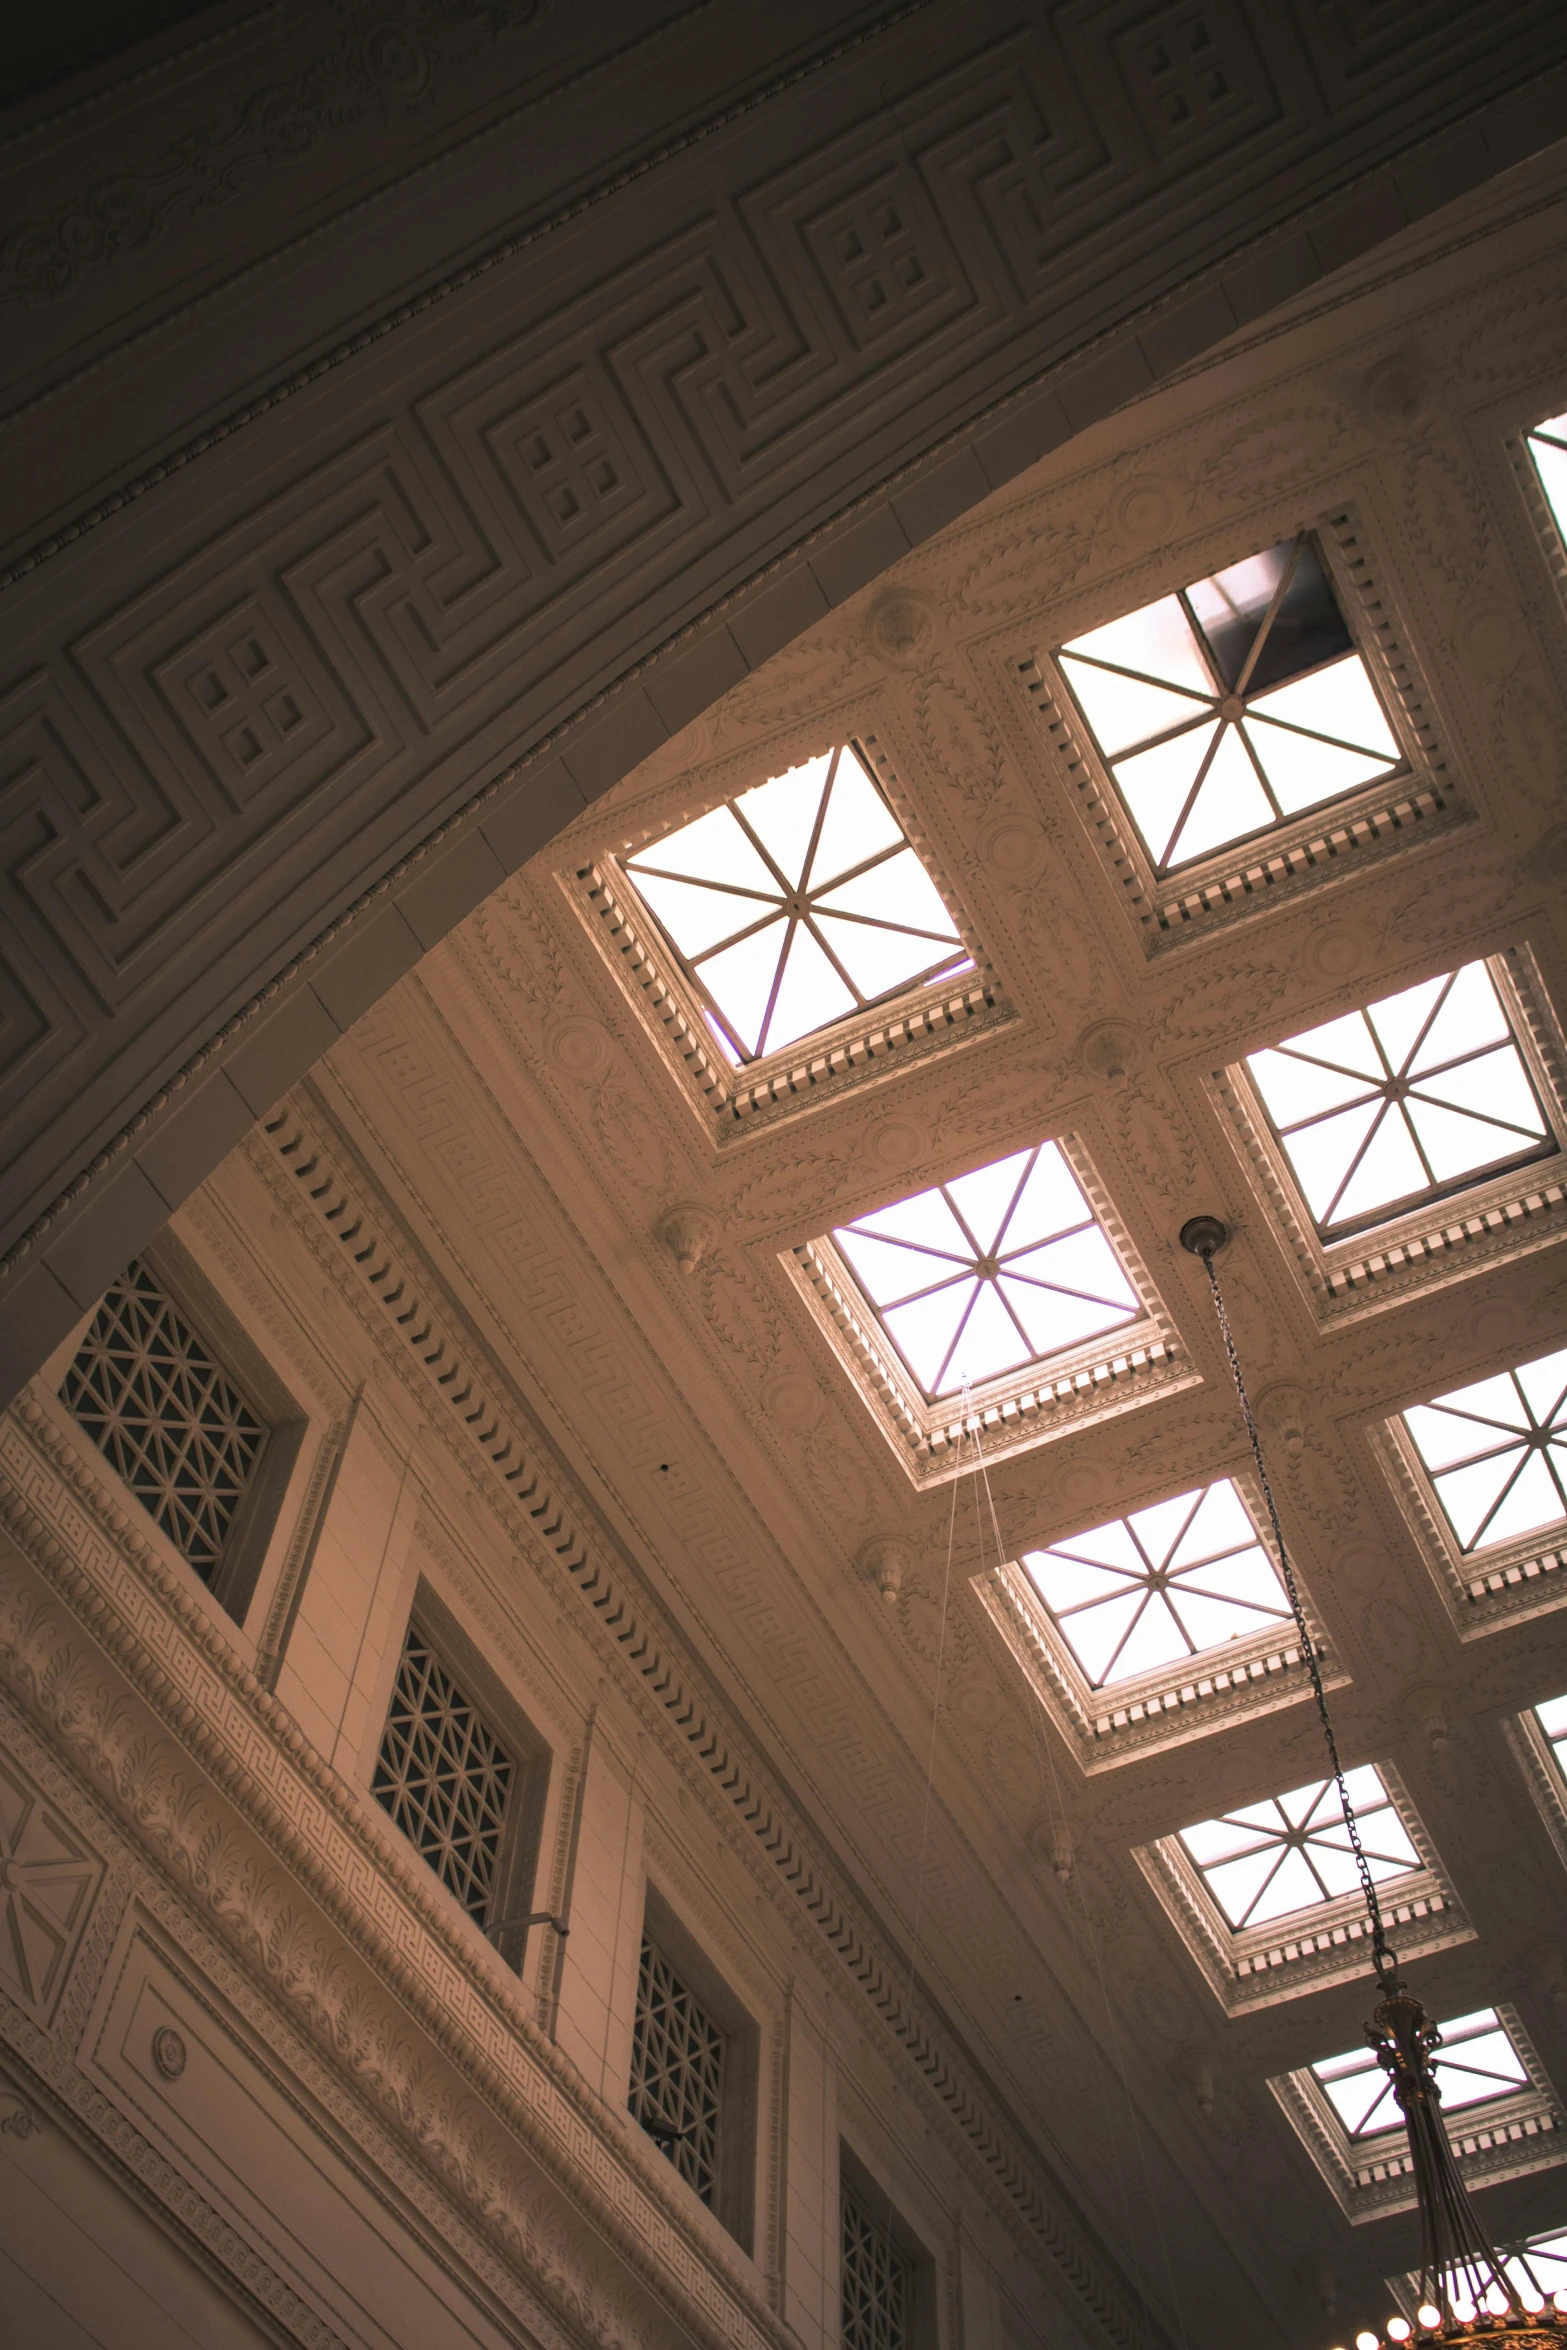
(1496,1452)
(1547,445)
(1162,1584)
(1552,1718)
(1231,706)
(1406,1100)
(989,1272)
(797,905)
(1292,1853)
(1477,2064)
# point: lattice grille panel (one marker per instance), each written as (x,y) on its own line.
(444,1776)
(876,2282)
(677,2073)
(174,1426)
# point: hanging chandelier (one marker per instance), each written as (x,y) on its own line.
(1467,2291)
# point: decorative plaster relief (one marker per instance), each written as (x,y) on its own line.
(49,1879)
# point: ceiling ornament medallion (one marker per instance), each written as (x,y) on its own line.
(689,1234)
(580,1047)
(1013,845)
(888,1561)
(1466,2289)
(1111,1052)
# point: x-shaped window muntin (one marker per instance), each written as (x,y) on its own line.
(1393,1084)
(1322,1824)
(1157,1576)
(1206,711)
(1534,1436)
(969,1269)
(1381,2112)
(800,904)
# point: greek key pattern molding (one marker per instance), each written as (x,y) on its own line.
(301,698)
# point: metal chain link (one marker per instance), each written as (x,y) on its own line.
(1382,1957)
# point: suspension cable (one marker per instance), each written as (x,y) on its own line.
(1382,1956)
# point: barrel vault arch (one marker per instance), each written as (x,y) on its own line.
(413,425)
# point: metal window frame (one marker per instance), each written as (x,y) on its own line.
(1503,2138)
(1495,1217)
(1238,1680)
(1092,1381)
(1260,1966)
(1324,844)
(911,1026)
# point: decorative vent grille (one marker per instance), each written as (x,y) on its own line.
(174,1426)
(677,2073)
(876,2282)
(444,1776)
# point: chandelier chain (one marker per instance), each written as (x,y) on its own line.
(1382,1956)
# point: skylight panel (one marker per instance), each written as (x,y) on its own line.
(1292,1853)
(987,1273)
(1159,1585)
(1496,1452)
(1233,705)
(796,905)
(1405,1100)
(1547,445)
(1552,1718)
(1478,2063)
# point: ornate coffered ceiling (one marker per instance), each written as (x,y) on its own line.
(504,1161)
(413,422)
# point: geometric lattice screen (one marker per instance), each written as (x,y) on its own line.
(174,1426)
(876,2282)
(677,2073)
(444,1776)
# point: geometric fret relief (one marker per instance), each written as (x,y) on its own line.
(47,1882)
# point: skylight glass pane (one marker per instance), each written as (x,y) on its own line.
(1476,2064)
(1173,1581)
(1496,1452)
(744,895)
(1547,445)
(1552,1718)
(1403,1100)
(995,1269)
(1224,709)
(1292,1853)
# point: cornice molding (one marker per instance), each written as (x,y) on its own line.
(668,1690)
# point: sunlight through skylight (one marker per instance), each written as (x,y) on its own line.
(1548,447)
(1268,1860)
(798,904)
(1231,705)
(1552,1718)
(1476,2063)
(1159,1585)
(989,1272)
(1497,1452)
(1403,1100)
